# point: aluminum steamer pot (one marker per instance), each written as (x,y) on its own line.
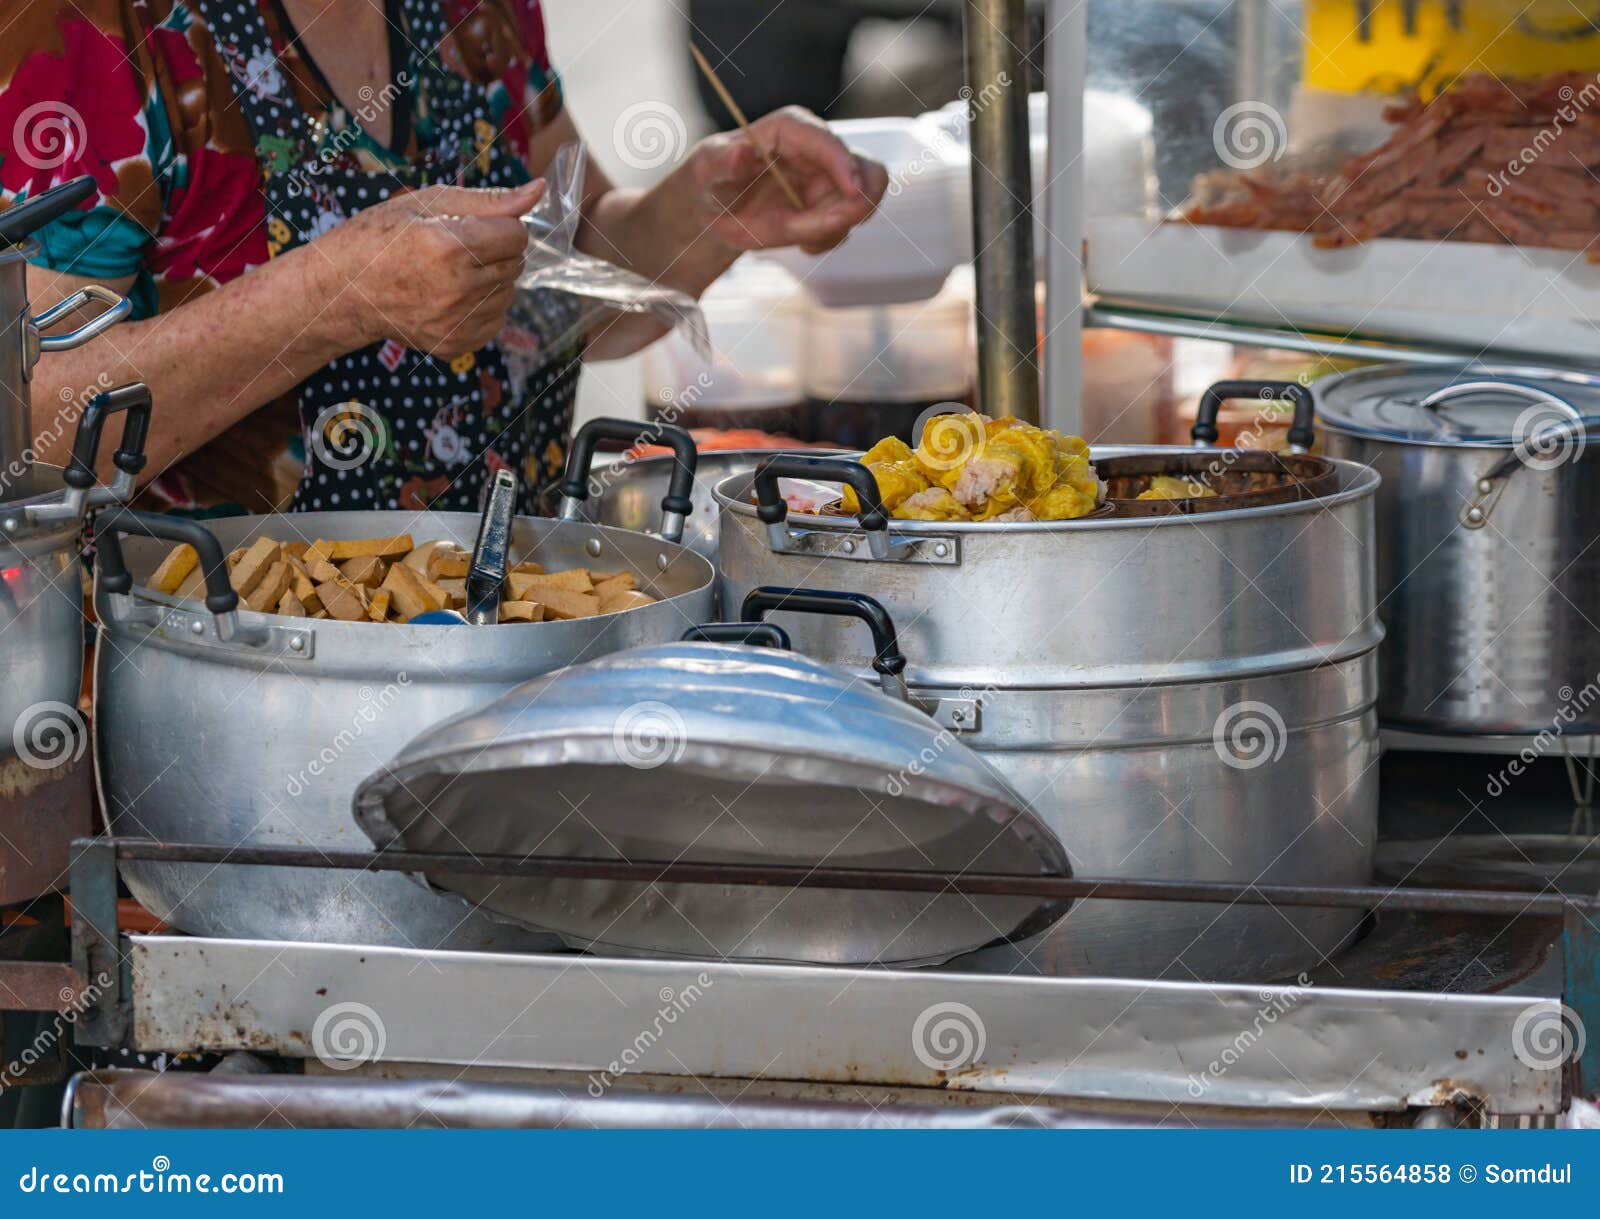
(710,751)
(221,726)
(41,588)
(1488,571)
(1176,696)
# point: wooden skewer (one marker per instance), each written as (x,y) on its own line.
(744,124)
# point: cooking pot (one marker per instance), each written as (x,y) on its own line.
(713,751)
(20,341)
(220,725)
(41,591)
(1488,572)
(1179,696)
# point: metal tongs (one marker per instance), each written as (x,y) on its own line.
(487,573)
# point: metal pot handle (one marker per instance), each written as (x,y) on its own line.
(751,634)
(1475,513)
(773,511)
(1302,433)
(117,309)
(115,577)
(675,505)
(888,660)
(129,459)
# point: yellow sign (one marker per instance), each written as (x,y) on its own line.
(1389,46)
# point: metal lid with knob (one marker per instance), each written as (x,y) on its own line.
(1469,406)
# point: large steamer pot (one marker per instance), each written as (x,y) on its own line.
(237,727)
(1177,696)
(1488,572)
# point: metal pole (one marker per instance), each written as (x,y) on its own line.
(1002,207)
(1066,55)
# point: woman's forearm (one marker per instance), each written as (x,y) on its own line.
(208,363)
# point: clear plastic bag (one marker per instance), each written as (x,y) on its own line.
(552,262)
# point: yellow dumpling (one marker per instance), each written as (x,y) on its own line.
(890,448)
(934,504)
(1165,486)
(897,481)
(1062,504)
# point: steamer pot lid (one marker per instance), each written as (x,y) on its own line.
(1511,406)
(706,752)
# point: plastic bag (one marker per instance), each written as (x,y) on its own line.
(552,262)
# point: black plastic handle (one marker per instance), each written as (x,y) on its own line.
(1302,435)
(887,660)
(772,509)
(686,456)
(129,457)
(28,217)
(752,634)
(114,574)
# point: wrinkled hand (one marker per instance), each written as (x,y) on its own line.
(746,207)
(434,269)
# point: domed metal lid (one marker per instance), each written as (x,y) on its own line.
(708,752)
(1471,406)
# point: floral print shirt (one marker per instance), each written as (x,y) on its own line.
(136,93)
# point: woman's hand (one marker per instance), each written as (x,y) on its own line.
(744,205)
(434,269)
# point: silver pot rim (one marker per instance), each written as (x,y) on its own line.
(1377,374)
(1360,481)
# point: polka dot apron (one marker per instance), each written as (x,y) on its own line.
(387,427)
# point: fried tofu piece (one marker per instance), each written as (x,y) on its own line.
(609,586)
(526,586)
(378,605)
(342,601)
(449,565)
(411,594)
(174,569)
(367,570)
(529,568)
(264,598)
(521,611)
(562,603)
(456,590)
(383,548)
(291,605)
(253,566)
(193,586)
(296,549)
